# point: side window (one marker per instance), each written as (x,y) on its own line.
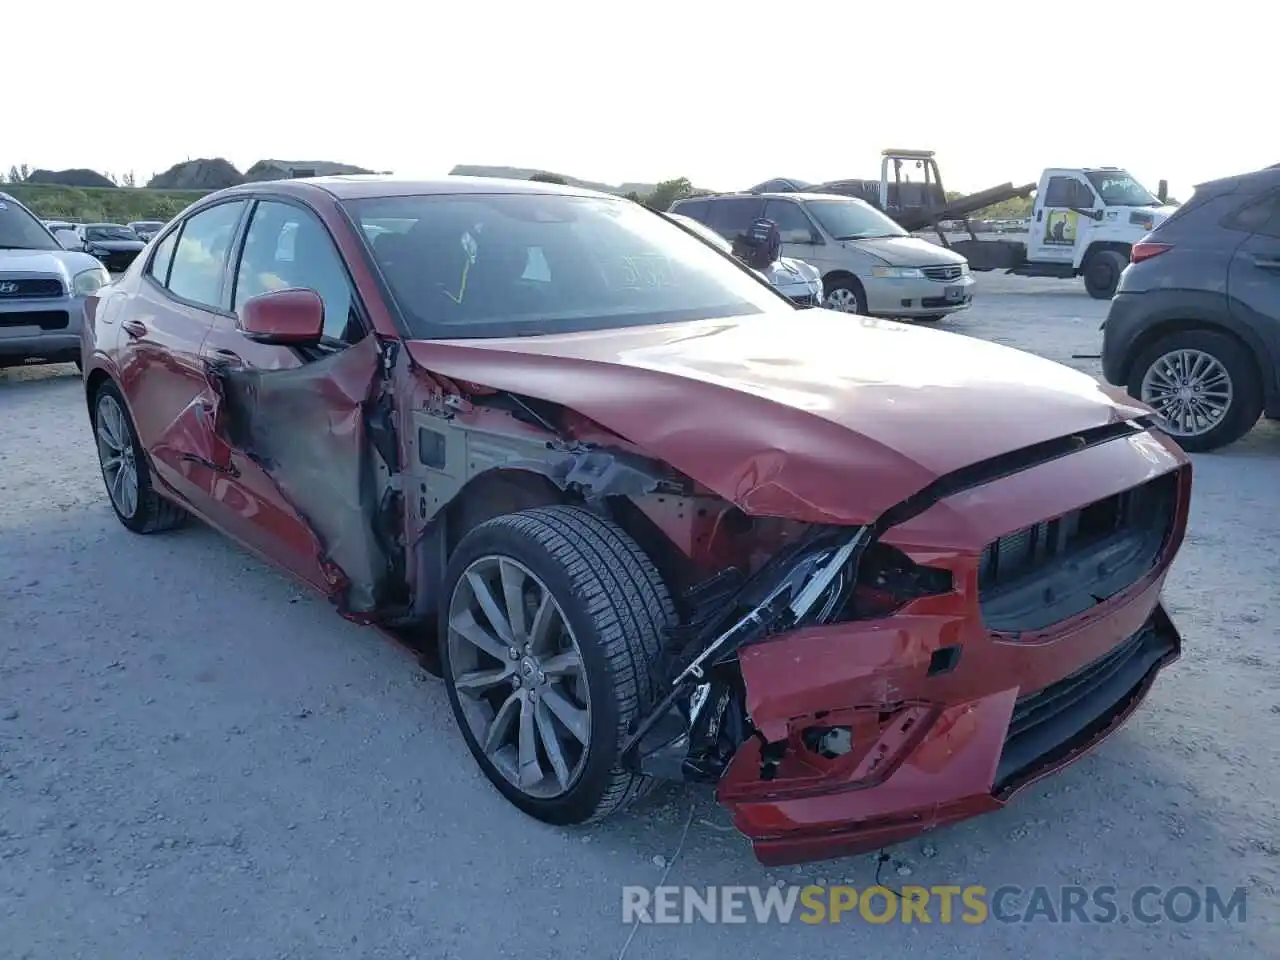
(692,208)
(162,258)
(731,216)
(1259,215)
(791,220)
(201,255)
(286,246)
(1068,192)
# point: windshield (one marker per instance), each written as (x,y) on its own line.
(705,232)
(20,230)
(1118,189)
(109,231)
(853,220)
(499,265)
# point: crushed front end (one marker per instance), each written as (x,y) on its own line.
(870,683)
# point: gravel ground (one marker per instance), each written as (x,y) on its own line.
(197,760)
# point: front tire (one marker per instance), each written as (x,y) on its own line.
(548,639)
(846,296)
(1203,385)
(125,470)
(1102,273)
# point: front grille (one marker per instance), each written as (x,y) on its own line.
(951,272)
(30,288)
(1051,723)
(805,300)
(1055,569)
(44,319)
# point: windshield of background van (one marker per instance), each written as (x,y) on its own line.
(499,265)
(1118,189)
(853,220)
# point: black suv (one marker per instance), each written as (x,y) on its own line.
(1194,329)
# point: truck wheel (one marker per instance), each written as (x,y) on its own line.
(1204,387)
(847,296)
(1102,273)
(548,640)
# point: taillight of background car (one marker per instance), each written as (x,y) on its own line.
(1145,250)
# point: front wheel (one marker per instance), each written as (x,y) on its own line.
(847,296)
(1102,273)
(125,470)
(1203,385)
(548,641)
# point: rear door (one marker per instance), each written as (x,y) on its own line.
(260,499)
(731,216)
(1253,279)
(800,239)
(182,289)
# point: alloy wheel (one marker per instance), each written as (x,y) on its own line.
(518,672)
(842,299)
(115,453)
(1190,390)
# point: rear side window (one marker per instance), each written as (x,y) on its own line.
(162,258)
(1259,215)
(692,208)
(200,259)
(730,216)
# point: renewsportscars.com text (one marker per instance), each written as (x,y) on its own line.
(945,904)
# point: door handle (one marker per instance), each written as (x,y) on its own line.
(1266,263)
(228,358)
(134,328)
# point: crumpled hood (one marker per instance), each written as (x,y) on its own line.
(906,251)
(60,263)
(812,414)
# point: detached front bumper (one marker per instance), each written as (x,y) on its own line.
(957,741)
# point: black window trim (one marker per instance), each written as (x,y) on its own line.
(238,244)
(179,225)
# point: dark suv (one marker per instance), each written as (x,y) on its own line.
(1194,329)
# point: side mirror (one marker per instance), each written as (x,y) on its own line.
(68,240)
(292,317)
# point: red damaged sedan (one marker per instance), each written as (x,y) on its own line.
(645,517)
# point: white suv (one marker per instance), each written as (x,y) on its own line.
(869,264)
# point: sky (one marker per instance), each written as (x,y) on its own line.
(726,94)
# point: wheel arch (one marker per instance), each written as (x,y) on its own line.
(92,384)
(1245,337)
(1098,246)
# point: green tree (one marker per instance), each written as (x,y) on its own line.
(550,178)
(14,175)
(668,192)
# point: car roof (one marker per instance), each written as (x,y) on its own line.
(798,195)
(369,186)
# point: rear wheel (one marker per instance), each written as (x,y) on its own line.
(124,468)
(1102,273)
(1203,385)
(549,637)
(845,295)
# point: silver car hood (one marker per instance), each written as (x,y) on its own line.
(906,251)
(56,263)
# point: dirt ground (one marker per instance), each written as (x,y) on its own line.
(199,761)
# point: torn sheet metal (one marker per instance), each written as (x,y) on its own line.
(306,428)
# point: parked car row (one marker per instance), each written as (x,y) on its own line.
(868,264)
(112,244)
